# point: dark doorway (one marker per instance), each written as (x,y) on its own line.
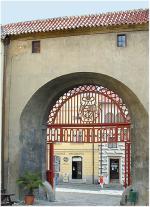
(114,170)
(77,168)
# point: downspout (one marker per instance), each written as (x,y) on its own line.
(2,100)
(3,125)
(101,159)
(93,155)
(93,162)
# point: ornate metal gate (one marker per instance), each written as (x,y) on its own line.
(89,114)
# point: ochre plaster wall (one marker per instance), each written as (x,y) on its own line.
(83,150)
(98,53)
(85,53)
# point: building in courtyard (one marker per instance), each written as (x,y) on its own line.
(71,85)
(78,162)
(85,163)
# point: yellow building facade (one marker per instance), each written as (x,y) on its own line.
(78,162)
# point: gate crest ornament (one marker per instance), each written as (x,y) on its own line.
(88,110)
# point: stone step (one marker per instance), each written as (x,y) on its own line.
(78,181)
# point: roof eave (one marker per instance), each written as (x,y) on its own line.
(82,31)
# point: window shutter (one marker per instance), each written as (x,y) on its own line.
(35,46)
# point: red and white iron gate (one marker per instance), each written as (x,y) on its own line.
(89,114)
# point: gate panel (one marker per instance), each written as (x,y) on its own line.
(50,162)
(103,134)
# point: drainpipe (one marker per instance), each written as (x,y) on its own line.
(1,108)
(93,178)
(52,165)
(4,49)
(93,162)
(101,165)
(101,158)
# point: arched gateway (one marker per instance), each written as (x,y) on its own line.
(89,114)
(33,132)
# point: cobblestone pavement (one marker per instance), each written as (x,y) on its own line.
(84,195)
(74,199)
(83,186)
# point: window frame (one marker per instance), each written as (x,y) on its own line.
(121,43)
(35,48)
(112,147)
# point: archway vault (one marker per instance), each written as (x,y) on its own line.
(36,111)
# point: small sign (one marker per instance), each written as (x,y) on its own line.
(66,178)
(65,159)
(76,159)
(57,164)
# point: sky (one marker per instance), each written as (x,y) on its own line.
(18,11)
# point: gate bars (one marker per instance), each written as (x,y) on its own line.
(89,114)
(89,104)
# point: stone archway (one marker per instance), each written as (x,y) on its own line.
(35,114)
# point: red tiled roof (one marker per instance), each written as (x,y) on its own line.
(139,16)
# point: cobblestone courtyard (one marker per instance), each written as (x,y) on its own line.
(84,195)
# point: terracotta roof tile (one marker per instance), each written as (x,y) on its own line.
(139,16)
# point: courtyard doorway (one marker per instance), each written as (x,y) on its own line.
(76,168)
(114,170)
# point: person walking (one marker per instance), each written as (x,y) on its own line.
(101,181)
